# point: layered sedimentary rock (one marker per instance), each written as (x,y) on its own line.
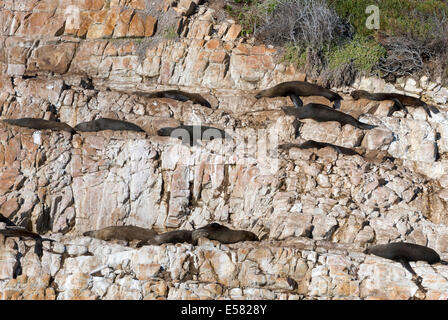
(315,210)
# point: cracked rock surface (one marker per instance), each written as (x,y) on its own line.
(315,210)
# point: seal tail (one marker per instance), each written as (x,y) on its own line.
(434,109)
(366,126)
(258,95)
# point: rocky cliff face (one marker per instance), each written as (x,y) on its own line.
(314,209)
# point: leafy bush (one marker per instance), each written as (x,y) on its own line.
(364,53)
(397,17)
(329,38)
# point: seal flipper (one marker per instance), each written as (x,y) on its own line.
(365,126)
(427,111)
(434,109)
(141,243)
(408,267)
(400,105)
(296,125)
(337,104)
(296,100)
(38,248)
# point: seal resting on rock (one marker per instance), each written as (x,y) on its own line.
(404,252)
(179,95)
(127,233)
(177,236)
(400,100)
(107,124)
(191,134)
(215,231)
(309,144)
(323,113)
(40,124)
(294,89)
(23,233)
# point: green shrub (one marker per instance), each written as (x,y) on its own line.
(363,53)
(170,33)
(397,17)
(294,54)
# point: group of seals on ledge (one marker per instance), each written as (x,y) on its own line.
(187,133)
(323,113)
(401,251)
(90,126)
(212,231)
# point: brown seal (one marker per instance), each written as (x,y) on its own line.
(177,236)
(23,233)
(323,113)
(215,231)
(309,144)
(107,124)
(178,95)
(294,89)
(127,233)
(191,134)
(40,124)
(404,252)
(400,100)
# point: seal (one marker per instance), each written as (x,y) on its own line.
(400,100)
(191,134)
(309,144)
(177,236)
(127,233)
(294,89)
(107,124)
(180,96)
(40,124)
(23,233)
(323,113)
(404,252)
(215,231)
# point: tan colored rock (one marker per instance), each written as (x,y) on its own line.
(9,207)
(51,58)
(150,26)
(233,32)
(136,26)
(122,26)
(377,139)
